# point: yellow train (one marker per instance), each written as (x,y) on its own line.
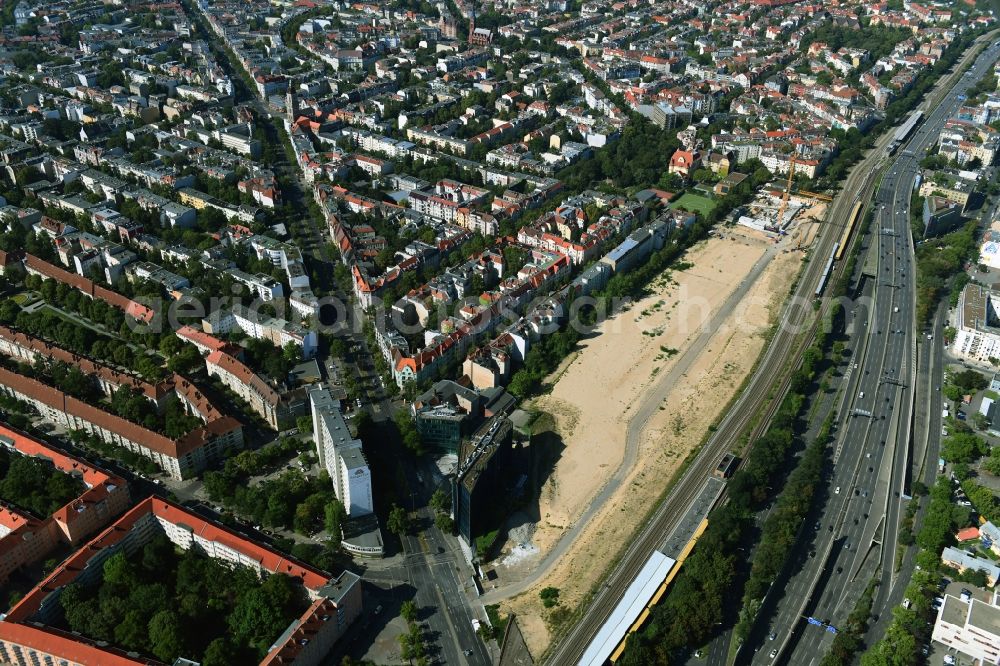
(655,599)
(851,222)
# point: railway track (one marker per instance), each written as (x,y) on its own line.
(777,359)
(762,396)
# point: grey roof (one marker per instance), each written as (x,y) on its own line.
(969,561)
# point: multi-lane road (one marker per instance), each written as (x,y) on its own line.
(756,401)
(857,536)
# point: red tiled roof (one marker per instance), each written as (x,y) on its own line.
(270,560)
(968,534)
(244,375)
(200,337)
(58,643)
(98,481)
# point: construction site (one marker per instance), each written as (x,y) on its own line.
(778,214)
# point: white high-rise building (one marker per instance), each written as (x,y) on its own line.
(341,454)
(969,625)
(977,337)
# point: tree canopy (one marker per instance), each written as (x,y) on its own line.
(34,484)
(145,601)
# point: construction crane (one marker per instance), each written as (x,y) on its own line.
(788,192)
(814,195)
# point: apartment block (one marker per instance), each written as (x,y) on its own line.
(978,335)
(27,639)
(341,454)
(25,539)
(247,384)
(181,458)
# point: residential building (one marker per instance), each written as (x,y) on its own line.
(962,561)
(969,624)
(28,637)
(977,324)
(248,385)
(181,458)
(26,539)
(340,454)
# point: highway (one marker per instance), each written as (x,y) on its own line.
(856,538)
(755,406)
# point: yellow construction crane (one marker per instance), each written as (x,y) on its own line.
(814,195)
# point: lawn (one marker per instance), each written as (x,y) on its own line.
(695,203)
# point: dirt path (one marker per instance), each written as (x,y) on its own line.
(600,389)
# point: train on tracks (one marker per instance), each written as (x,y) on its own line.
(840,247)
(631,613)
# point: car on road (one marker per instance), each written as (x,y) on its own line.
(772,636)
(836,491)
(774,653)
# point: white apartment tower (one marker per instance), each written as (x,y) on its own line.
(340,454)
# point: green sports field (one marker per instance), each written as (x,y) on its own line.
(695,203)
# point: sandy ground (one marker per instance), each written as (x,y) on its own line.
(594,396)
(807,225)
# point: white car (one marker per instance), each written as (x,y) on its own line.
(836,491)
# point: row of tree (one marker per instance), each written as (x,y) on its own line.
(781,529)
(911,627)
(708,580)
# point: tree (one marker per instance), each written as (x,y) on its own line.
(338,348)
(255,620)
(186,360)
(444,523)
(969,381)
(333,520)
(952,392)
(408,432)
(549,596)
(219,652)
(408,610)
(131,631)
(441,501)
(963,447)
(399,521)
(166,639)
